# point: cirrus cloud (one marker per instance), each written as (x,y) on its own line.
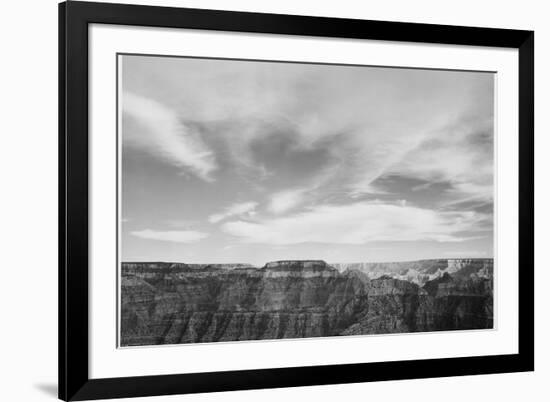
(175,236)
(233,210)
(285,200)
(315,144)
(359,223)
(166,136)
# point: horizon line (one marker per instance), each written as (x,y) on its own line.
(303,260)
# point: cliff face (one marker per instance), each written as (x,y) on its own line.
(166,303)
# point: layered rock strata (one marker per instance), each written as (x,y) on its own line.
(169,303)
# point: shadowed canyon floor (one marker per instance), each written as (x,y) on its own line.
(171,303)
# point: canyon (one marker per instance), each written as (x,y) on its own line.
(174,303)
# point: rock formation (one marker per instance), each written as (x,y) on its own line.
(169,303)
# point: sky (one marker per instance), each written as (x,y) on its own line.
(234,161)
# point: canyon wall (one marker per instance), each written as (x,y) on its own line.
(165,303)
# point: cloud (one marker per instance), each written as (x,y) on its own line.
(176,236)
(347,126)
(166,136)
(460,154)
(316,144)
(359,223)
(285,200)
(233,210)
(373,118)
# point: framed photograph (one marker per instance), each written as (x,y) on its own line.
(259,201)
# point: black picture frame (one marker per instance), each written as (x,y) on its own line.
(74,381)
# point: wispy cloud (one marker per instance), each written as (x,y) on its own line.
(377,120)
(315,145)
(176,236)
(234,210)
(358,223)
(285,200)
(459,154)
(167,136)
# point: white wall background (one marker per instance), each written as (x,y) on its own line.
(28,200)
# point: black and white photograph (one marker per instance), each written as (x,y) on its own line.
(264,200)
(275,201)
